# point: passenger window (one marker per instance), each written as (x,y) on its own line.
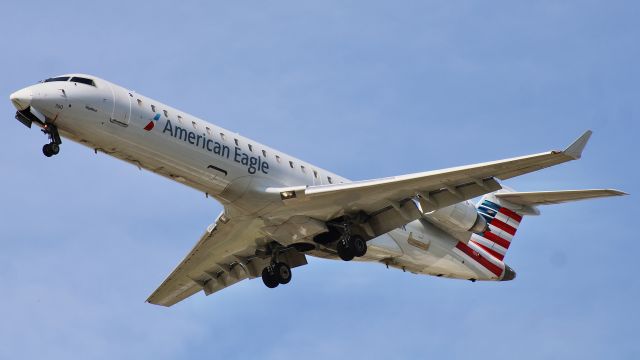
(166,114)
(236,141)
(291,164)
(315,174)
(153,108)
(139,102)
(264,153)
(278,158)
(180,119)
(250,147)
(194,124)
(303,170)
(222,136)
(329,180)
(208,130)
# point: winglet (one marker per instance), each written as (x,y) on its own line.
(575,150)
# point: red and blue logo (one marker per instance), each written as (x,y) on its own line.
(152,122)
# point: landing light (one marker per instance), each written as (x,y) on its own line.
(287,195)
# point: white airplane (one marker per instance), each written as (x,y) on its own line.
(278,209)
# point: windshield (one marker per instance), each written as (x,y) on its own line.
(59,78)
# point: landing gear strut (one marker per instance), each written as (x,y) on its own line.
(53,147)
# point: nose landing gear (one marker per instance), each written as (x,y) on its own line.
(53,147)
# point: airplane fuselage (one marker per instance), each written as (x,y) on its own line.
(235,170)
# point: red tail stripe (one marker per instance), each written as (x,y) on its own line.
(493,253)
(502,226)
(495,269)
(496,239)
(511,214)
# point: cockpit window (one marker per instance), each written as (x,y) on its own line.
(82,80)
(59,78)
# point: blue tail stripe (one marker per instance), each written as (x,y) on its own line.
(492,205)
(486,217)
(487,211)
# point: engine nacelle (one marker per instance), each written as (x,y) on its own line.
(462,216)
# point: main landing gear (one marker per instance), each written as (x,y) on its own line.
(350,246)
(277,272)
(53,147)
(347,244)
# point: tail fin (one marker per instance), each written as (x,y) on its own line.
(505,209)
(503,223)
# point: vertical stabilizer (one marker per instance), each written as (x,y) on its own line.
(503,221)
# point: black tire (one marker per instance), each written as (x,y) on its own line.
(282,273)
(359,245)
(46,150)
(345,251)
(55,148)
(269,279)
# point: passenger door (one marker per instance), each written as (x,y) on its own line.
(121,110)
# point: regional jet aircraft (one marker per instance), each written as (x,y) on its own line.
(279,209)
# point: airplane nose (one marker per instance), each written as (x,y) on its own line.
(21,99)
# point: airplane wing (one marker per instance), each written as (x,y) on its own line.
(224,255)
(388,200)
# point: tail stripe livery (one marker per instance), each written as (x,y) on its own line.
(494,253)
(496,250)
(488,235)
(489,263)
(503,224)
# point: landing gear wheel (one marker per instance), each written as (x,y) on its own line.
(345,249)
(359,245)
(282,273)
(46,150)
(269,277)
(55,148)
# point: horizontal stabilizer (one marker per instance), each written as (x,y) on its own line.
(555,197)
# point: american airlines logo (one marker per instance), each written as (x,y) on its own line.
(152,122)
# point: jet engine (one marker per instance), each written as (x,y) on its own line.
(462,216)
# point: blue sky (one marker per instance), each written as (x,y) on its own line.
(367,89)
